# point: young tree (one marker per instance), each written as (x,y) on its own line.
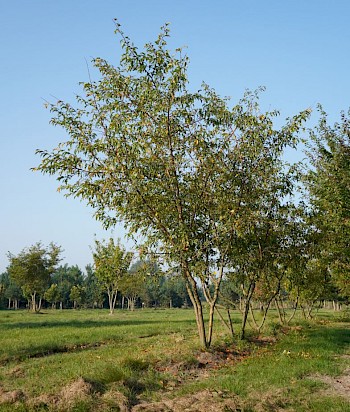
(31,269)
(112,262)
(169,162)
(53,295)
(150,279)
(132,286)
(77,296)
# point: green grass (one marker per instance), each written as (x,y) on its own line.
(131,352)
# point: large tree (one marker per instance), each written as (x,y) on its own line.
(32,268)
(172,164)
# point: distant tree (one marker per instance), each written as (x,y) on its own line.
(10,291)
(14,294)
(53,295)
(151,279)
(94,289)
(173,291)
(111,262)
(2,290)
(32,268)
(77,295)
(66,277)
(132,286)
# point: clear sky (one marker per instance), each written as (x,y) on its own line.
(298,49)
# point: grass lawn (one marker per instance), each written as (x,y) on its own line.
(88,360)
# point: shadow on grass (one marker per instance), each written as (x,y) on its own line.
(85,323)
(134,377)
(148,328)
(337,338)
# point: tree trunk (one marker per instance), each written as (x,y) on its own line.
(247,300)
(228,324)
(33,303)
(244,321)
(294,310)
(198,309)
(112,296)
(211,323)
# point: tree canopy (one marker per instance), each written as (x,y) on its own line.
(31,270)
(188,173)
(328,184)
(112,262)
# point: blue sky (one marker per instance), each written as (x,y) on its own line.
(297,49)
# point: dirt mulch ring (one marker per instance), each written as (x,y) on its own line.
(81,390)
(207,401)
(11,397)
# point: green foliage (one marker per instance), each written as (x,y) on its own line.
(133,283)
(9,290)
(66,277)
(32,268)
(180,168)
(53,294)
(94,289)
(77,295)
(328,183)
(112,262)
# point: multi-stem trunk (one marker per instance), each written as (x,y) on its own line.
(294,310)
(112,298)
(212,299)
(33,302)
(192,290)
(247,300)
(265,309)
(205,335)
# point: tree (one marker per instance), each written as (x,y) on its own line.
(112,262)
(31,270)
(132,286)
(66,277)
(53,295)
(169,162)
(94,290)
(10,291)
(328,183)
(77,295)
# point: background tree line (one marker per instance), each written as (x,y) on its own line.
(69,287)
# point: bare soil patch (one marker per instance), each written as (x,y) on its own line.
(81,390)
(339,385)
(208,401)
(11,396)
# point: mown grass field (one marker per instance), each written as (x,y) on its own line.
(151,355)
